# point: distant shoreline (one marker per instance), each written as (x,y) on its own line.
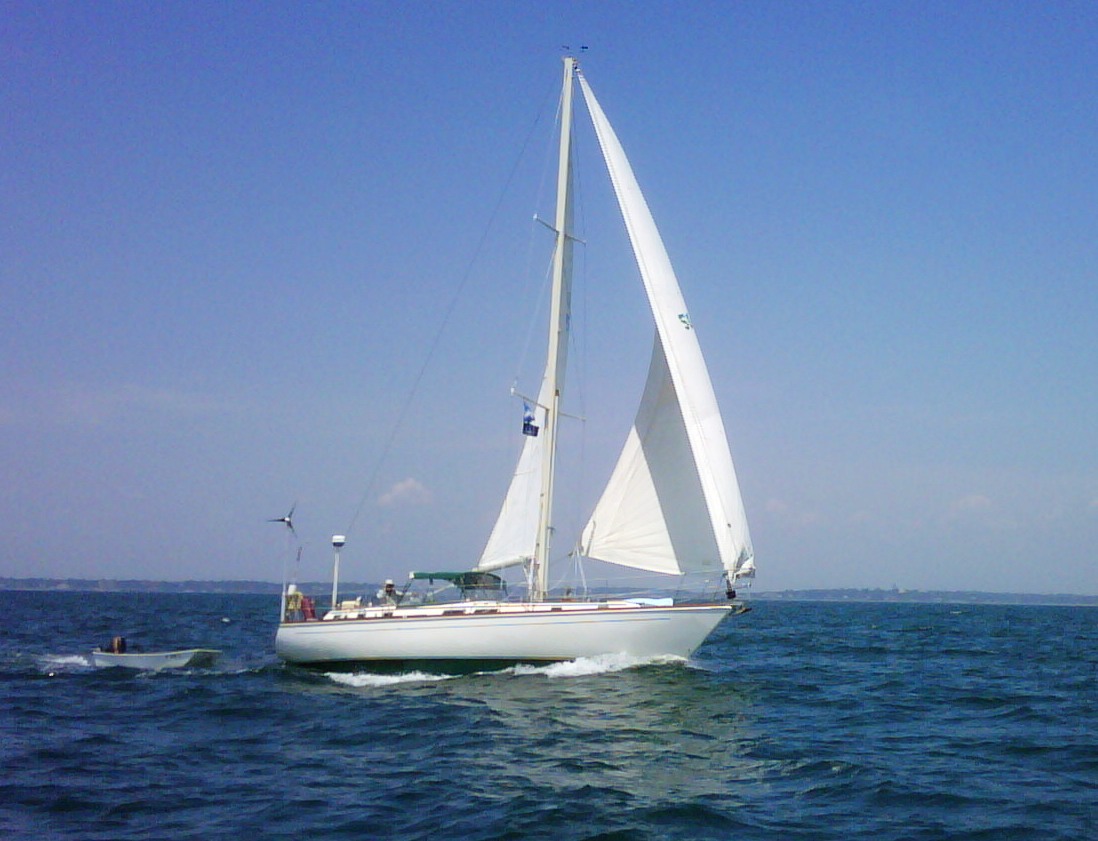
(111,585)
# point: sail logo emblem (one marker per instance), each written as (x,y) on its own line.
(685,319)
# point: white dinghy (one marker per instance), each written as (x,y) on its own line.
(116,654)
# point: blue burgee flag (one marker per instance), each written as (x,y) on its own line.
(528,425)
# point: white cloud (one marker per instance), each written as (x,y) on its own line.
(793,518)
(405,492)
(776,506)
(971,503)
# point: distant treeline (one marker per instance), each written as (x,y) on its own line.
(927,596)
(111,585)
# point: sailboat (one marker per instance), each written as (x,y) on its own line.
(672,504)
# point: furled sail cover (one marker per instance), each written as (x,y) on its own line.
(672,504)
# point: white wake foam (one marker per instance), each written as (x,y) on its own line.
(64,662)
(360,679)
(580,667)
(598,665)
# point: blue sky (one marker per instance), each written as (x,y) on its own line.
(233,233)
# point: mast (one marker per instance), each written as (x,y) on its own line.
(559,319)
(337,543)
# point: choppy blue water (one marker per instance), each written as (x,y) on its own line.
(794,721)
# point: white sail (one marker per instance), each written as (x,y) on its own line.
(514,537)
(672,504)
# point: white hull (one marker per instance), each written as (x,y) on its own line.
(487,631)
(155,660)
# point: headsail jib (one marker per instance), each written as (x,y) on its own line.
(652,514)
(676,466)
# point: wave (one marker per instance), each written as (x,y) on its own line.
(64,662)
(580,667)
(366,679)
(598,665)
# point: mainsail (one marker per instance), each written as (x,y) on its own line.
(523,530)
(514,538)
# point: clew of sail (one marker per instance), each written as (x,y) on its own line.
(672,503)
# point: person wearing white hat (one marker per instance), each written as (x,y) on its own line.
(388,593)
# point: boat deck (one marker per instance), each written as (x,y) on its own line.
(480,608)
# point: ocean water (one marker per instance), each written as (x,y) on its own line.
(794,721)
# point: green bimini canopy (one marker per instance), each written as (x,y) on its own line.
(464,580)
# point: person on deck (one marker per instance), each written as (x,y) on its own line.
(388,593)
